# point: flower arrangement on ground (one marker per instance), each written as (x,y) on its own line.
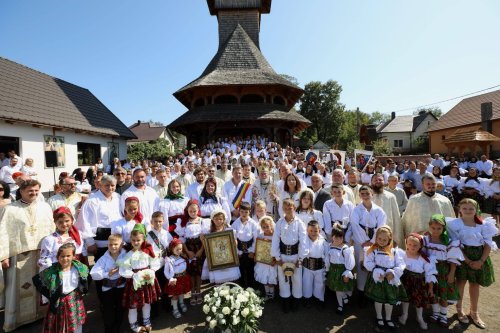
(231,308)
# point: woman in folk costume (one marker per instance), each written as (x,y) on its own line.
(492,194)
(452,182)
(472,186)
(132,216)
(63,284)
(172,206)
(211,201)
(138,266)
(448,256)
(291,190)
(476,239)
(66,232)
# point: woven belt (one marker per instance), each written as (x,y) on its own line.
(102,234)
(139,269)
(113,283)
(177,275)
(289,250)
(243,246)
(370,231)
(313,264)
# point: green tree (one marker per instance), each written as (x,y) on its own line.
(320,104)
(157,150)
(379,118)
(352,120)
(421,145)
(381,148)
(436,111)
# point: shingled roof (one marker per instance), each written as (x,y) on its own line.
(29,96)
(238,62)
(145,131)
(405,123)
(471,135)
(240,112)
(468,112)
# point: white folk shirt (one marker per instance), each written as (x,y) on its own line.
(342,255)
(289,234)
(441,252)
(98,212)
(72,202)
(333,212)
(245,232)
(317,249)
(104,265)
(420,265)
(194,190)
(174,265)
(230,191)
(164,239)
(148,201)
(193,229)
(479,235)
(361,219)
(306,217)
(50,246)
(123,228)
(380,263)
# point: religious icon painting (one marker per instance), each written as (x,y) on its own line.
(221,250)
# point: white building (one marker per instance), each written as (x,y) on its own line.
(40,113)
(402,131)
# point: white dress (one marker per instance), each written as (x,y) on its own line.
(221,275)
(265,274)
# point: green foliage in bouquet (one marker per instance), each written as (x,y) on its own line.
(231,308)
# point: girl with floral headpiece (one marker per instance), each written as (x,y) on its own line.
(447,253)
(418,278)
(138,266)
(385,264)
(476,238)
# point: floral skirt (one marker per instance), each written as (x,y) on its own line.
(335,281)
(416,289)
(147,294)
(195,267)
(182,286)
(383,292)
(70,315)
(484,276)
(444,291)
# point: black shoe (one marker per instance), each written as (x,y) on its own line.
(294,302)
(339,310)
(361,299)
(321,305)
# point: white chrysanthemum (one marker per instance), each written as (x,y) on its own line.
(214,309)
(226,310)
(236,312)
(209,318)
(213,323)
(222,321)
(236,320)
(245,312)
(258,313)
(206,309)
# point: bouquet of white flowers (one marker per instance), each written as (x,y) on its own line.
(230,308)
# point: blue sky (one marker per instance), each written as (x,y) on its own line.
(387,55)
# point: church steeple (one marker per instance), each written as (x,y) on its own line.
(246,13)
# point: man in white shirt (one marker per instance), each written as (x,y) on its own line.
(194,190)
(484,167)
(148,198)
(234,187)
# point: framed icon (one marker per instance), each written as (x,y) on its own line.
(221,251)
(263,251)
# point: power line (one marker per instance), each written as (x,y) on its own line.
(443,101)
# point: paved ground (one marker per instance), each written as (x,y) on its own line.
(309,320)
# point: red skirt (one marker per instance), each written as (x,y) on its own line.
(70,315)
(135,299)
(416,288)
(183,286)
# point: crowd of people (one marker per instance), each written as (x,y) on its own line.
(389,233)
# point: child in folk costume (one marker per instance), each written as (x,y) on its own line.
(246,230)
(314,263)
(418,279)
(366,219)
(138,266)
(132,216)
(288,248)
(266,274)
(63,284)
(260,209)
(66,232)
(217,224)
(337,210)
(306,211)
(447,253)
(341,263)
(106,270)
(385,264)
(159,238)
(476,239)
(190,228)
(178,280)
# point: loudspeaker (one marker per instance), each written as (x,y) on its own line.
(50,159)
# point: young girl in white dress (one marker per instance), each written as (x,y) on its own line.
(231,274)
(173,206)
(132,216)
(178,280)
(306,211)
(264,273)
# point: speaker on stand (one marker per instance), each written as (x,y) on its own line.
(51,162)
